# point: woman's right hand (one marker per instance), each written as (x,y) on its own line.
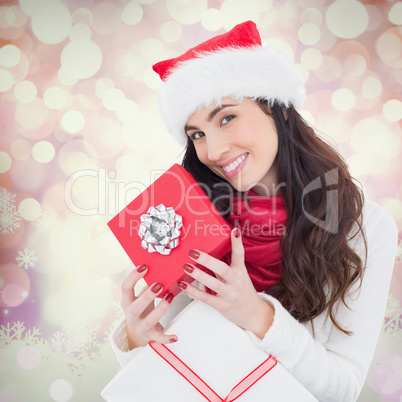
(142,317)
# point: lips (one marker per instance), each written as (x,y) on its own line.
(233,164)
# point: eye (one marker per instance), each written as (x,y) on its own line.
(227,119)
(196,136)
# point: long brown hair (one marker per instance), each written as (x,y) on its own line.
(324,208)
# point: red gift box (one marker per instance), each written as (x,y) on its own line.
(148,234)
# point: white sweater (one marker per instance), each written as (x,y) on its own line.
(331,365)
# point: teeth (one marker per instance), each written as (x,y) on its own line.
(234,164)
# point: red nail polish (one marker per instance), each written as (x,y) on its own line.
(169,297)
(141,268)
(172,340)
(156,287)
(182,285)
(188,268)
(237,233)
(194,254)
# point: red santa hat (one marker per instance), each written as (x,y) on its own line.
(234,65)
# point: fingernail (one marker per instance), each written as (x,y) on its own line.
(172,340)
(142,268)
(169,297)
(194,254)
(237,233)
(156,287)
(188,268)
(182,285)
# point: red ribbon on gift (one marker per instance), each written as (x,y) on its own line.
(201,386)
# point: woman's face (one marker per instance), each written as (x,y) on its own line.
(238,142)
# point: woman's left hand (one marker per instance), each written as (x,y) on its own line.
(236,299)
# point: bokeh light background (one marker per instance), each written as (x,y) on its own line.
(81,134)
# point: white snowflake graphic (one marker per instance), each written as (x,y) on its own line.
(47,221)
(398,257)
(9,216)
(26,258)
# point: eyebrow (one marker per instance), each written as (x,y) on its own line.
(210,116)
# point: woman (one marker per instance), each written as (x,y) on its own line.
(311,260)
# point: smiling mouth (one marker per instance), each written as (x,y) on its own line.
(233,165)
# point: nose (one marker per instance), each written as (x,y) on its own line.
(217,146)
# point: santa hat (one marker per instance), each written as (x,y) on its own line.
(233,65)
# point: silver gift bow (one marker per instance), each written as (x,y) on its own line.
(160,229)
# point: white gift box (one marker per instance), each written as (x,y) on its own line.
(214,360)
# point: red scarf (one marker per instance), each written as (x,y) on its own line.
(262,221)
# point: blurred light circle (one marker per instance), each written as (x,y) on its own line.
(132,14)
(309,34)
(128,164)
(211,19)
(10,56)
(51,22)
(81,59)
(113,99)
(330,69)
(73,121)
(6,80)
(374,139)
(5,162)
(29,209)
(104,134)
(5,17)
(282,45)
(29,357)
(343,99)
(152,49)
(235,11)
(392,110)
(43,152)
(312,15)
(151,79)
(83,15)
(186,11)
(32,115)
(127,111)
(338,128)
(359,165)
(25,91)
(375,18)
(21,149)
(61,390)
(80,31)
(311,58)
(389,48)
(372,88)
(307,116)
(65,78)
(107,17)
(54,98)
(347,18)
(171,31)
(16,285)
(355,65)
(29,6)
(16,16)
(395,13)
(73,156)
(126,64)
(102,85)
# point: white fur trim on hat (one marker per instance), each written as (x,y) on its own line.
(253,72)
